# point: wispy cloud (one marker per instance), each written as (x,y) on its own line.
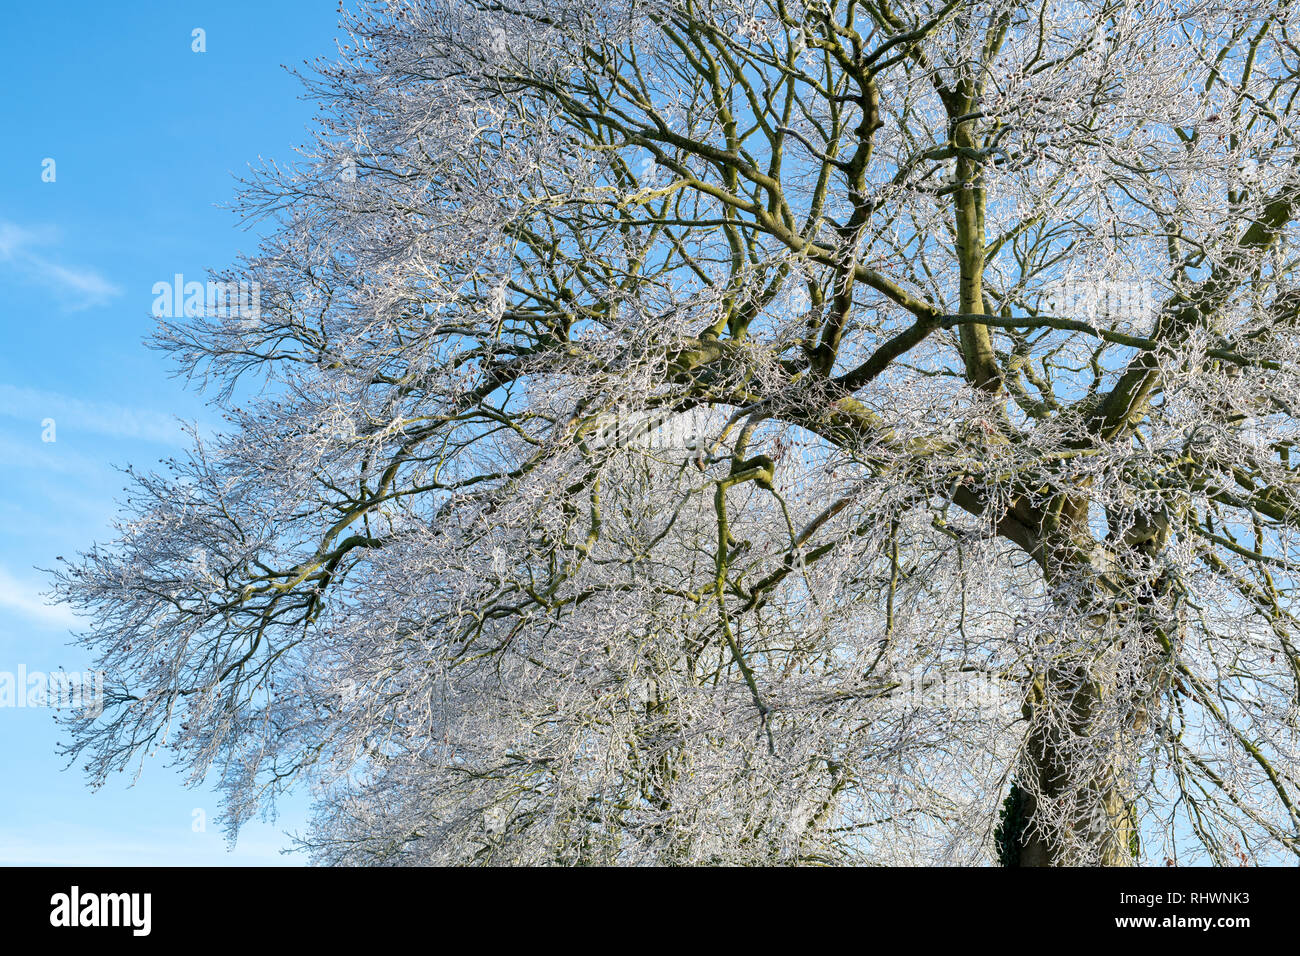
(71,845)
(24,598)
(74,286)
(104,418)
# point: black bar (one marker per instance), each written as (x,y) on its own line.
(924,906)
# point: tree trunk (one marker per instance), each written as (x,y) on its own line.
(1072,800)
(1068,806)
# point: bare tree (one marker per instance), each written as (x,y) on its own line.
(729,431)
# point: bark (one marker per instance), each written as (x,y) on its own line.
(1073,800)
(1071,811)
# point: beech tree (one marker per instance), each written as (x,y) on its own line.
(746,431)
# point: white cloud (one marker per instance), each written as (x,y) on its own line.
(72,845)
(24,598)
(76,287)
(103,418)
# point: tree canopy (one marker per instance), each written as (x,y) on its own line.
(734,431)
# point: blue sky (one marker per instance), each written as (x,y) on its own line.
(146,136)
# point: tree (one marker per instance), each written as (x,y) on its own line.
(729,431)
